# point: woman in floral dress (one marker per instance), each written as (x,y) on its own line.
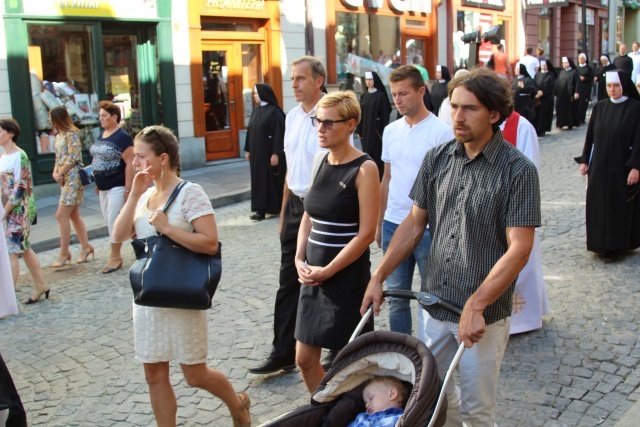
(66,173)
(19,207)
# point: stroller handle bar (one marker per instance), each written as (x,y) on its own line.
(425,299)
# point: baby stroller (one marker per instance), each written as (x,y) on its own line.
(338,399)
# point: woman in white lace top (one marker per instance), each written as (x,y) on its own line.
(165,334)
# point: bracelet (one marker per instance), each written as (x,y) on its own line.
(127,191)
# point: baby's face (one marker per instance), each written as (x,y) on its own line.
(378,397)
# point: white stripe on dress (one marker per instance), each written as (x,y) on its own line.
(313,230)
(334,245)
(334,223)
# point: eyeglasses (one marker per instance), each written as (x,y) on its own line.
(328,124)
(146,131)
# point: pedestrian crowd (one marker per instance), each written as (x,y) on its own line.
(450,187)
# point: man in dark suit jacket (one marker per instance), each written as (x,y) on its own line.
(623,61)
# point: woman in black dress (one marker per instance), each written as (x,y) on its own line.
(585,84)
(523,92)
(339,224)
(545,82)
(264,150)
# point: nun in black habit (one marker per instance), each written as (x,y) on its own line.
(523,92)
(600,77)
(545,81)
(567,96)
(376,111)
(611,160)
(264,149)
(439,88)
(585,84)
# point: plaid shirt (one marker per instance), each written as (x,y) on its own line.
(470,203)
(386,418)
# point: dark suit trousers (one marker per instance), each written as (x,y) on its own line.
(286,308)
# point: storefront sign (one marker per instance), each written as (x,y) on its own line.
(136,9)
(256,5)
(538,4)
(415,6)
(485,4)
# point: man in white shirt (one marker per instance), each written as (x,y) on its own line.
(308,77)
(404,145)
(530,298)
(635,57)
(530,62)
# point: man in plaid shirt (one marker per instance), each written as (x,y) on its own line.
(481,199)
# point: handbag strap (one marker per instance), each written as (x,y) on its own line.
(173,196)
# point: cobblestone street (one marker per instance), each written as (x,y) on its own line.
(72,356)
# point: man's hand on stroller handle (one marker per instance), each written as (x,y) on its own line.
(472,325)
(373,295)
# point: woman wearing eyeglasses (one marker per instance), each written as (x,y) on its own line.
(339,224)
(162,335)
(113,172)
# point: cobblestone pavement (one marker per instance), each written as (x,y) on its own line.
(72,356)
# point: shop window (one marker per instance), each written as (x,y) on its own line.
(468,22)
(121,78)
(366,42)
(62,73)
(251,75)
(544,35)
(604,31)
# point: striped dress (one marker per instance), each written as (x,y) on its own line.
(328,314)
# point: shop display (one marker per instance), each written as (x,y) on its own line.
(82,108)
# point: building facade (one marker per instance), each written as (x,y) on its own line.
(557,27)
(76,53)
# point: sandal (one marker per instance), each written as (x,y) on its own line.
(246,404)
(257,217)
(61,261)
(33,300)
(107,269)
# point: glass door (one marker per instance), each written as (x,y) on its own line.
(229,73)
(218,81)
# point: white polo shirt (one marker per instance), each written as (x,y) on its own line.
(404,148)
(300,146)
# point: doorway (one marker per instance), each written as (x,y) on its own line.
(230,70)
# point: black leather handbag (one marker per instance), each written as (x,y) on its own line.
(166,274)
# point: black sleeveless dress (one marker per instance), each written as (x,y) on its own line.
(329,313)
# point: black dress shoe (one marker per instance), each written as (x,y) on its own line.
(257,217)
(328,359)
(271,366)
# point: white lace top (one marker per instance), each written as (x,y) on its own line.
(165,334)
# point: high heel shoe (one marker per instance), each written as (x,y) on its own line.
(32,300)
(84,254)
(107,269)
(62,260)
(246,404)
